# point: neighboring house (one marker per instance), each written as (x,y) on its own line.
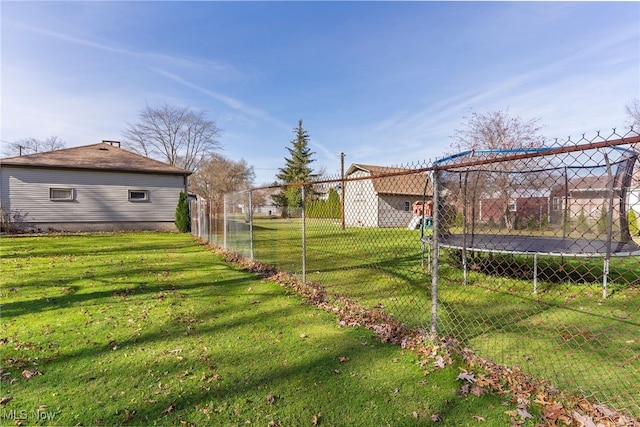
(385,201)
(95,187)
(523,205)
(589,195)
(269,208)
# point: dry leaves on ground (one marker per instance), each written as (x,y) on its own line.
(523,390)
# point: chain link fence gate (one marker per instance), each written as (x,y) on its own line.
(529,257)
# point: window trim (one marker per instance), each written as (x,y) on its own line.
(68,190)
(135,199)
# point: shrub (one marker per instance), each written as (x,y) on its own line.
(12,221)
(183,219)
(603,220)
(583,223)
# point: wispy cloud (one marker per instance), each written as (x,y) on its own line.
(148,56)
(226,100)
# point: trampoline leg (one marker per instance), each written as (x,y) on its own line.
(535,273)
(605,275)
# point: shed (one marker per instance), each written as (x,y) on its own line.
(98,187)
(381,196)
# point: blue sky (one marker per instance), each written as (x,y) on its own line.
(384,82)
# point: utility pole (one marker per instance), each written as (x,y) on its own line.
(342,190)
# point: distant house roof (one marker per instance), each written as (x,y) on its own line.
(402,184)
(102,156)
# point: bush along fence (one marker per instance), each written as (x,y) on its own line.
(529,257)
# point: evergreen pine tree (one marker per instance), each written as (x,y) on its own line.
(296,169)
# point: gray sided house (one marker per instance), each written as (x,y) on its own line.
(99,187)
(384,201)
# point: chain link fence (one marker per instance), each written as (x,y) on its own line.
(530,257)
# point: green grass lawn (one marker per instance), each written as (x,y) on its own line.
(154,329)
(566,333)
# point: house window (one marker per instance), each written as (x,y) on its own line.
(556,203)
(138,195)
(512,207)
(61,194)
(407,206)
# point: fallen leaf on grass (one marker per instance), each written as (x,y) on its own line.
(343,359)
(315,420)
(519,413)
(477,391)
(436,418)
(30,373)
(524,414)
(479,419)
(552,412)
(5,400)
(439,363)
(465,376)
(609,413)
(583,420)
(464,389)
(271,399)
(169,410)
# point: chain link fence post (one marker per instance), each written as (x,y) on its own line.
(304,237)
(251,224)
(435,237)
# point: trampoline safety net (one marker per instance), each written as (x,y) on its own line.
(539,201)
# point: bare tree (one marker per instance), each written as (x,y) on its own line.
(178,135)
(32,145)
(496,130)
(633,113)
(218,175)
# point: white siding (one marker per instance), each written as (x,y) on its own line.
(360,202)
(99,196)
(392,210)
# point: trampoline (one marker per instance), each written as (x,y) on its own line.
(552,246)
(538,202)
